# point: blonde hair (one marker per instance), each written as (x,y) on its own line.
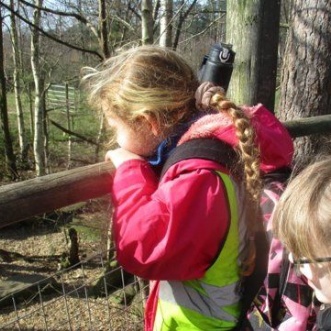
(302,218)
(144,80)
(247,148)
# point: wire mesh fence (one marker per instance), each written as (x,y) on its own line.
(77,298)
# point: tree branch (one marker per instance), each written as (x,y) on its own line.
(50,36)
(56,12)
(73,133)
(79,17)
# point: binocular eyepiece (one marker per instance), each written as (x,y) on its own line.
(217,66)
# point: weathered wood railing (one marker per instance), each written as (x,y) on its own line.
(22,200)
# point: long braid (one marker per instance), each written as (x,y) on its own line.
(249,152)
(250,160)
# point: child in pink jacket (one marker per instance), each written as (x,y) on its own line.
(190,232)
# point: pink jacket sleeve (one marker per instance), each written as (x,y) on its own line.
(172,230)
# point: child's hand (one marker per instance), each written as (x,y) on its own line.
(120,155)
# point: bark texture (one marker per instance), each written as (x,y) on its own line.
(253,29)
(306,74)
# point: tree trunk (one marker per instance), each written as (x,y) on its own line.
(74,247)
(166,7)
(9,153)
(182,17)
(101,132)
(306,74)
(17,88)
(68,126)
(39,112)
(268,53)
(147,22)
(252,27)
(156,9)
(103,29)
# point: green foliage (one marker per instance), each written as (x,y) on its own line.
(83,121)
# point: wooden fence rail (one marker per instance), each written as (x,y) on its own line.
(32,197)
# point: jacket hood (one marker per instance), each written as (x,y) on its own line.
(275,143)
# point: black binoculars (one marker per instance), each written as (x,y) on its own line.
(217,66)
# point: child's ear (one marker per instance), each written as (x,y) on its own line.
(152,123)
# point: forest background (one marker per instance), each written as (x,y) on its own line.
(282,60)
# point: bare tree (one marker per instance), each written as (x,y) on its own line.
(39,111)
(103,39)
(306,73)
(182,16)
(9,152)
(60,13)
(147,22)
(166,9)
(23,142)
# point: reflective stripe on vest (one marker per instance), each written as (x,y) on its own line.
(212,301)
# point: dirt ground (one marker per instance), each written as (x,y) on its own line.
(37,249)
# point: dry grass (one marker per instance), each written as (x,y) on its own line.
(68,300)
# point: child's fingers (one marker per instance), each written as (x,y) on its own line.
(120,155)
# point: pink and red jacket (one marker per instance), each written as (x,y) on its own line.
(171,229)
